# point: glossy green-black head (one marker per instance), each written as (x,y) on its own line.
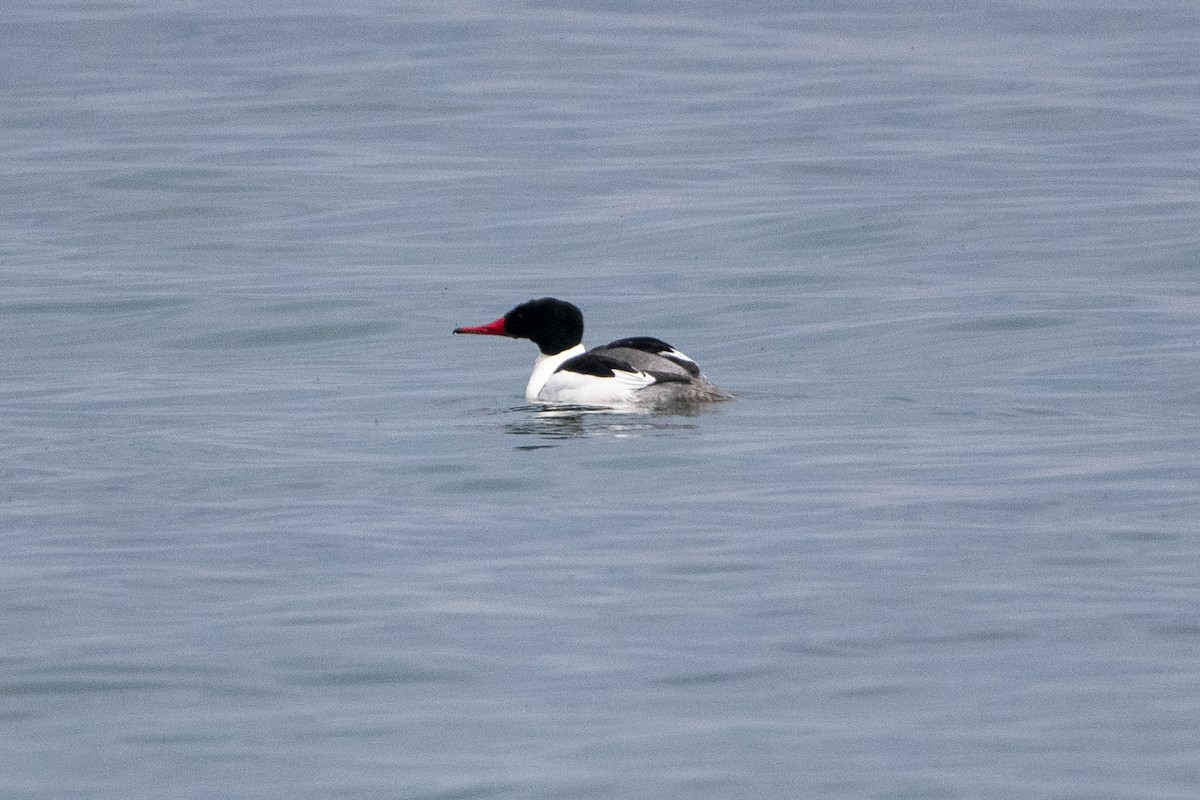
(553,325)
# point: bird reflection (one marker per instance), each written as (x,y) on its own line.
(579,422)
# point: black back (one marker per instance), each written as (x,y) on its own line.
(647,353)
(603,366)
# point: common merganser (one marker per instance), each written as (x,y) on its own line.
(640,369)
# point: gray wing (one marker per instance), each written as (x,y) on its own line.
(650,355)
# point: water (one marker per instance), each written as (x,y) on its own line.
(269,530)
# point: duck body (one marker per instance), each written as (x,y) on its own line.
(639,370)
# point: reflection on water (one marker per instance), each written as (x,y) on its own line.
(577,422)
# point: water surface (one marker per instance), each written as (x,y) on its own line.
(271,531)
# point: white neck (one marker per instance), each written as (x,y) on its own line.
(544,367)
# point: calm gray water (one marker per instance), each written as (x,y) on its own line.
(270,531)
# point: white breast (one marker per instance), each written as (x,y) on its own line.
(544,367)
